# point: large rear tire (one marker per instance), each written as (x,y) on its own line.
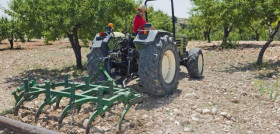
(95,55)
(159,67)
(195,63)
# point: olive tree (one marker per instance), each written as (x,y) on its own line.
(268,11)
(75,19)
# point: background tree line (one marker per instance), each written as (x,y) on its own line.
(228,20)
(77,20)
(73,19)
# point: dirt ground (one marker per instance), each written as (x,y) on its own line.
(225,100)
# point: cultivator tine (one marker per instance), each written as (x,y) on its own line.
(18,105)
(68,107)
(62,115)
(39,111)
(22,100)
(123,114)
(91,118)
(58,99)
(95,114)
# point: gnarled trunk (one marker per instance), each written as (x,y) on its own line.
(74,40)
(257,35)
(208,35)
(272,33)
(256,30)
(226,34)
(11,43)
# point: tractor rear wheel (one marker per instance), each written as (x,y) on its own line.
(95,55)
(195,63)
(159,67)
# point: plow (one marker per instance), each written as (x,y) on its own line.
(104,94)
(115,58)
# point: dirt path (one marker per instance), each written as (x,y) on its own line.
(224,101)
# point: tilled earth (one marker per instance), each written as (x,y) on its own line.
(225,100)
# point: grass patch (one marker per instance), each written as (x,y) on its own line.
(230,45)
(271,90)
(5,111)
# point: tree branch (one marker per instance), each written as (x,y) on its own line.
(276,29)
(260,15)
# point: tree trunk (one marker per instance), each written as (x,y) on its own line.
(11,43)
(208,35)
(74,40)
(270,39)
(226,34)
(260,58)
(205,35)
(257,35)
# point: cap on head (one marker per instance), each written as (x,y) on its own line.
(142,7)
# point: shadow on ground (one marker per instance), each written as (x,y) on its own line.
(8,48)
(151,103)
(266,70)
(239,46)
(42,74)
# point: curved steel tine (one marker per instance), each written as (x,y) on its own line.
(91,118)
(123,114)
(39,111)
(18,105)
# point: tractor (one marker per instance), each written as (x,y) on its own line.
(115,58)
(153,56)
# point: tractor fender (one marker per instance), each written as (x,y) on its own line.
(149,38)
(98,41)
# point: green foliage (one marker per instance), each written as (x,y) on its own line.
(159,20)
(4,29)
(242,19)
(75,19)
(271,90)
(52,19)
(11,29)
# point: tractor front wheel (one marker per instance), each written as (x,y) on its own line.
(195,63)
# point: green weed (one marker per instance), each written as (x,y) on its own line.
(5,111)
(271,90)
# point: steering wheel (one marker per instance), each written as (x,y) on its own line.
(139,29)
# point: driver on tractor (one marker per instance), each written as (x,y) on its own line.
(139,19)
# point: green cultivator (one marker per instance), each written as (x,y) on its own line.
(104,94)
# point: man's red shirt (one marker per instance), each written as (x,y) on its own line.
(138,21)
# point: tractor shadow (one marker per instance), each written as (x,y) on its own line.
(149,102)
(183,74)
(42,74)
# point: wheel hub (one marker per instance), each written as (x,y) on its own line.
(200,63)
(168,66)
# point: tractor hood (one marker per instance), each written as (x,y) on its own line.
(118,35)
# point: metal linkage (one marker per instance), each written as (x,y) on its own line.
(103,94)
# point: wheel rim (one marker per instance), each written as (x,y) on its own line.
(200,63)
(168,66)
